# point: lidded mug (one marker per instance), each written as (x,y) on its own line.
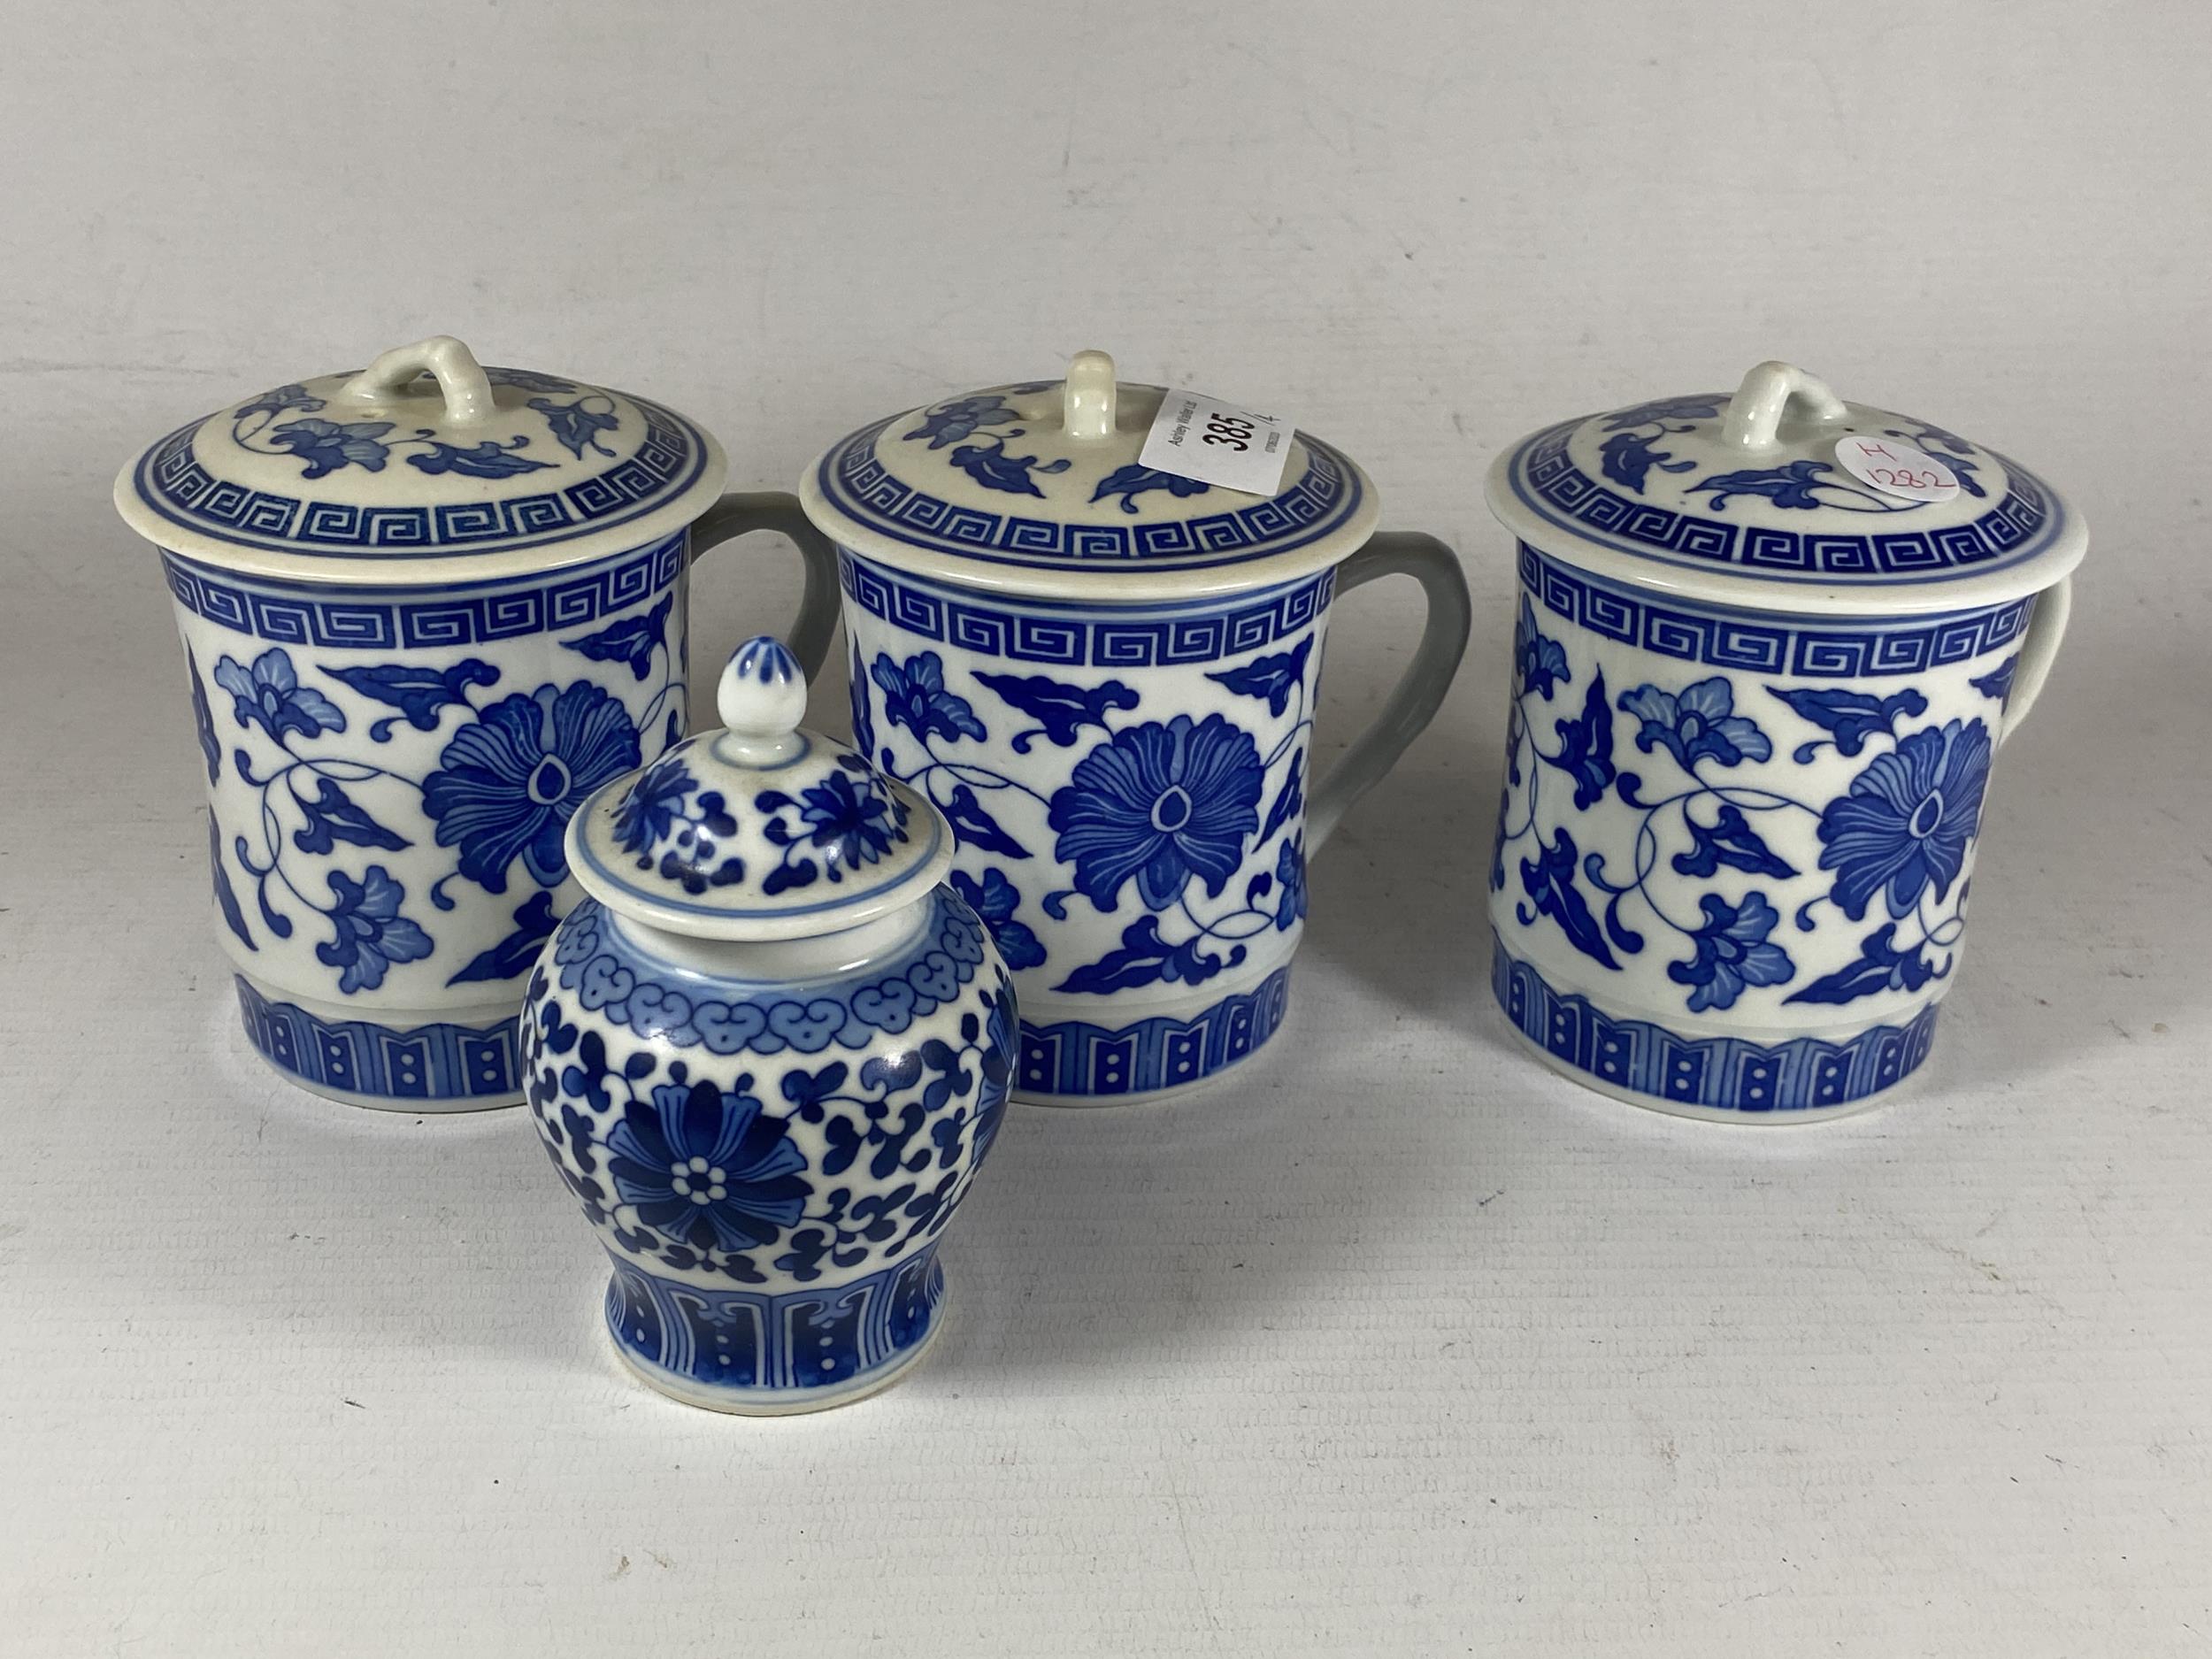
(1767,647)
(1105,675)
(768,1054)
(426,609)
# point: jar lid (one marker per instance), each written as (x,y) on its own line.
(1037,488)
(423,467)
(762,830)
(1750,500)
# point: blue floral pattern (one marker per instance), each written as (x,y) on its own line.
(1166,814)
(508,775)
(832,828)
(324,446)
(1691,844)
(370,934)
(506,786)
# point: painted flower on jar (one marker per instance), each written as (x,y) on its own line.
(370,933)
(849,822)
(1158,805)
(269,695)
(707,1167)
(914,696)
(1732,951)
(1902,828)
(1698,723)
(506,786)
(327,445)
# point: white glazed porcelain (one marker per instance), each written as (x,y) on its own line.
(427,609)
(1755,702)
(1106,677)
(768,1055)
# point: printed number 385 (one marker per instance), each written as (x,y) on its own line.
(1230,431)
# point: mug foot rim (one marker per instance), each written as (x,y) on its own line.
(1185,1053)
(1725,1079)
(415,1051)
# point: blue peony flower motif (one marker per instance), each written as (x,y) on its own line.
(506,786)
(327,445)
(269,696)
(370,933)
(851,823)
(950,423)
(914,696)
(1160,803)
(1731,952)
(203,719)
(706,1168)
(655,801)
(1290,883)
(1542,660)
(1698,723)
(1904,824)
(996,899)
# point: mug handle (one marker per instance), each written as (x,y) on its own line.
(741,512)
(2053,608)
(1414,700)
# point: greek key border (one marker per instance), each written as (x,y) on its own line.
(361,618)
(1093,637)
(1807,648)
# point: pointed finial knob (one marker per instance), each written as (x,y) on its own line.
(1088,411)
(762,697)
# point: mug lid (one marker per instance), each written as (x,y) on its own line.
(762,830)
(1036,488)
(423,467)
(1786,497)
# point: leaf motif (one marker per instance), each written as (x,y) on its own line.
(1144,958)
(1730,840)
(972,826)
(1629,457)
(1061,709)
(633,640)
(1880,967)
(334,816)
(1272,677)
(226,895)
(577,425)
(1851,717)
(1549,880)
(993,468)
(513,955)
(1585,745)
(1288,799)
(487,460)
(417,693)
(1996,683)
(1131,480)
(1791,486)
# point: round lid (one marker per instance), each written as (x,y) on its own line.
(1037,488)
(423,467)
(1786,497)
(762,830)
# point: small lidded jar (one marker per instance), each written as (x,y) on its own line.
(1769,646)
(768,1052)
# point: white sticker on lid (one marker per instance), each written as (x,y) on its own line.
(1199,437)
(1896,469)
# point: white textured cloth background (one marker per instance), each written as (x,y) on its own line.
(1396,1343)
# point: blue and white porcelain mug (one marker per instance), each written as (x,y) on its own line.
(1106,678)
(426,609)
(1767,647)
